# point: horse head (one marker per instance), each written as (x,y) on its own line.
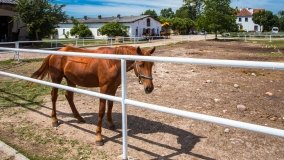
(143,70)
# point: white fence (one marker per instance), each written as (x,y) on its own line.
(83,42)
(124,101)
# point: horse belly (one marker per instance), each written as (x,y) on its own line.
(81,75)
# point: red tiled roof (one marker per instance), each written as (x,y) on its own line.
(244,12)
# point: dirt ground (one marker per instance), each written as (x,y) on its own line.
(152,135)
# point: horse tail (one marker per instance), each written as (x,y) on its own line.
(43,70)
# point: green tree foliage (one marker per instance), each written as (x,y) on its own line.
(182,25)
(183,12)
(281,20)
(151,13)
(167,13)
(40,16)
(194,7)
(80,29)
(265,19)
(218,16)
(113,29)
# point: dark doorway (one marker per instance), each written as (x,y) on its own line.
(6,25)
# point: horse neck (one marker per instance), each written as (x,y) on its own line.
(125,50)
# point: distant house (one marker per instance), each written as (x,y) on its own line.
(137,25)
(10,30)
(245,22)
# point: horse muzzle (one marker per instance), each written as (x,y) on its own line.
(148,89)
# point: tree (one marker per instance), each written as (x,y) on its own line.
(265,19)
(218,16)
(151,13)
(167,13)
(281,20)
(113,29)
(182,25)
(183,12)
(40,17)
(195,7)
(80,29)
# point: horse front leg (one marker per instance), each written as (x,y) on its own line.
(109,115)
(99,139)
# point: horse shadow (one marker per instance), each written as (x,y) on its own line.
(139,125)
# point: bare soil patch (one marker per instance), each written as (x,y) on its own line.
(154,135)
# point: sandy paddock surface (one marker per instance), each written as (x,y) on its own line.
(202,89)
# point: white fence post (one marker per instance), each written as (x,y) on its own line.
(17,53)
(76,44)
(124,110)
(270,38)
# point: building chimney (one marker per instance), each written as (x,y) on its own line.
(118,16)
(100,16)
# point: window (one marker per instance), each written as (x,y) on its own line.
(148,22)
(240,19)
(136,32)
(246,19)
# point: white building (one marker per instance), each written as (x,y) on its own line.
(137,25)
(245,22)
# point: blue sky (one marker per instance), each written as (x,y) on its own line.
(93,8)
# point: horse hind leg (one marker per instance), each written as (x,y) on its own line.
(70,98)
(54,95)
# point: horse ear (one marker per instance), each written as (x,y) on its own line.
(138,50)
(153,50)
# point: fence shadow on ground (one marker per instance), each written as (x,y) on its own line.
(136,125)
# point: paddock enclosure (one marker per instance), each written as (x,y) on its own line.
(201,89)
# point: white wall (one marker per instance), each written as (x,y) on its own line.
(249,25)
(140,24)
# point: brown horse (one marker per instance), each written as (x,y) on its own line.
(92,72)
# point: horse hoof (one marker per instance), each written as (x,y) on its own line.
(112,127)
(55,124)
(81,120)
(99,143)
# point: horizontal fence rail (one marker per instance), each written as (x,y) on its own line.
(124,101)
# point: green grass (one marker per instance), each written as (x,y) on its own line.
(277,44)
(45,144)
(20,93)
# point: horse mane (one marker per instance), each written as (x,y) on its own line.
(125,50)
